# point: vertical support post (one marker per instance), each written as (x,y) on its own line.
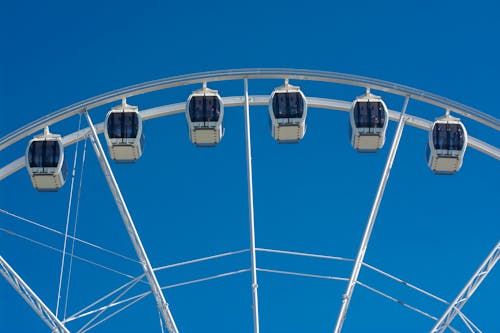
(467,291)
(129,225)
(346,298)
(255,297)
(31,298)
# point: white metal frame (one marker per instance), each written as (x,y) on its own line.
(346,298)
(436,154)
(246,100)
(358,132)
(129,224)
(240,74)
(282,127)
(248,144)
(198,130)
(31,298)
(469,289)
(54,175)
(257,100)
(124,146)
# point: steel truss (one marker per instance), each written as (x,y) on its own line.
(31,298)
(246,100)
(134,236)
(469,289)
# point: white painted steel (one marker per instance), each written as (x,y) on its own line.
(31,298)
(234,101)
(346,298)
(472,327)
(73,238)
(134,236)
(248,144)
(244,74)
(445,161)
(240,74)
(367,139)
(468,290)
(205,133)
(125,150)
(288,130)
(47,179)
(68,215)
(78,314)
(49,247)
(81,314)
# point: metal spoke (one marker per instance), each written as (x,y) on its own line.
(88,261)
(134,236)
(114,314)
(302,254)
(68,216)
(316,276)
(371,221)
(69,236)
(126,290)
(373,268)
(31,298)
(255,296)
(245,101)
(193,261)
(468,290)
(81,314)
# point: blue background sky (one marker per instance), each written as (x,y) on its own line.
(311,197)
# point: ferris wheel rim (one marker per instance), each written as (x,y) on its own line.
(255,100)
(233,75)
(250,73)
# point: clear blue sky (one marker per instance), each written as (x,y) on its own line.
(311,197)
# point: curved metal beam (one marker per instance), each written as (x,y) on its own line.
(240,74)
(234,101)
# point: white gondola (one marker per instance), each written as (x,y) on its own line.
(446,146)
(288,112)
(368,123)
(45,162)
(123,132)
(204,114)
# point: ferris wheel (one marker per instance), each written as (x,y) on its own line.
(202,103)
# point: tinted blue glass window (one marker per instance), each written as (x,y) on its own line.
(44,154)
(204,109)
(369,115)
(288,105)
(448,136)
(123,125)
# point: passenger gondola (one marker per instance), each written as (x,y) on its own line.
(288,112)
(123,132)
(45,162)
(446,146)
(204,114)
(368,123)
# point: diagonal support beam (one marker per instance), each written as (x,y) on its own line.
(253,253)
(132,232)
(31,298)
(468,290)
(371,221)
